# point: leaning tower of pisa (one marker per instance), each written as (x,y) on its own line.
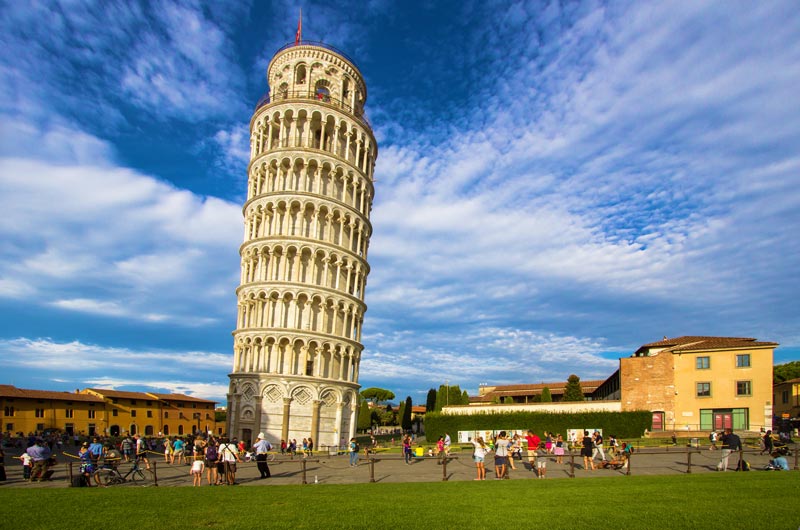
(304,258)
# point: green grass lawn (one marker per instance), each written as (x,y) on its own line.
(765,500)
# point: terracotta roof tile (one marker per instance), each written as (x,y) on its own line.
(10,391)
(691,342)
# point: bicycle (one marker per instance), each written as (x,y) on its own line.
(109,475)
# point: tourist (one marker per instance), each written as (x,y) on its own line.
(284,445)
(767,444)
(167,450)
(27,463)
(96,450)
(88,467)
(229,455)
(479,455)
(712,437)
(196,470)
(212,461)
(586,451)
(730,443)
(293,448)
(261,448)
(541,461)
(310,447)
(40,454)
(598,446)
(440,446)
(141,450)
(533,445)
(559,449)
(178,451)
(612,445)
(407,449)
(778,462)
(447,443)
(501,456)
(353,452)
(127,448)
(548,442)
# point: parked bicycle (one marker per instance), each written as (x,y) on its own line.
(109,474)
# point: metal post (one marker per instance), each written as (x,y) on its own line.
(371,469)
(303,462)
(629,463)
(795,456)
(444,468)
(153,471)
(688,460)
(69,472)
(571,463)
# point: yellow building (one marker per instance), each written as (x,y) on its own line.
(155,414)
(701,383)
(787,404)
(36,411)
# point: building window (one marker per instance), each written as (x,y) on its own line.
(166,415)
(703,389)
(743,361)
(149,403)
(703,363)
(114,400)
(133,402)
(9,427)
(40,413)
(40,427)
(91,414)
(115,412)
(784,399)
(9,411)
(133,413)
(68,413)
(92,427)
(149,413)
(180,429)
(743,388)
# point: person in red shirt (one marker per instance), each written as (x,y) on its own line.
(533,444)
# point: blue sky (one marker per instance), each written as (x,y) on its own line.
(557,184)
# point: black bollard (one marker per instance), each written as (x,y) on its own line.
(371,469)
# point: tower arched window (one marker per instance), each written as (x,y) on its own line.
(322,91)
(283,91)
(300,75)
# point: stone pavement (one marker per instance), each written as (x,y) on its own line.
(389,467)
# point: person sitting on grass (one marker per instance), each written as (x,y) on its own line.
(778,462)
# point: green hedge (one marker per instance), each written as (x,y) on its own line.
(622,424)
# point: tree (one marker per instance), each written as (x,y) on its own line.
(573,390)
(464,398)
(450,395)
(400,411)
(377,395)
(786,371)
(547,397)
(430,402)
(405,421)
(364,416)
(508,400)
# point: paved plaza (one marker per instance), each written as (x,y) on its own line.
(390,467)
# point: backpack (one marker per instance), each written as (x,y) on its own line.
(357,447)
(711,437)
(743,465)
(211,453)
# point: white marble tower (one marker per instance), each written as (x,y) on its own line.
(304,258)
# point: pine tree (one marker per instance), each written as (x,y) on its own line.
(547,397)
(464,398)
(573,390)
